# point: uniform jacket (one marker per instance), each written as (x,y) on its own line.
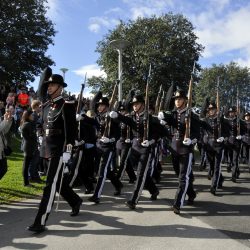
(59,126)
(245,131)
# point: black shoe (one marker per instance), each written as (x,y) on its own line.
(213,190)
(36,180)
(76,208)
(154,195)
(220,185)
(130,204)
(117,192)
(36,228)
(176,209)
(89,191)
(209,177)
(233,179)
(94,199)
(190,200)
(229,169)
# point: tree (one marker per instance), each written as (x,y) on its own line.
(168,43)
(231,78)
(25,34)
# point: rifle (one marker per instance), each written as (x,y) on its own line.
(79,104)
(157,102)
(189,105)
(162,101)
(218,107)
(238,112)
(106,132)
(146,111)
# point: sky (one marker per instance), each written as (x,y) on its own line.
(222,26)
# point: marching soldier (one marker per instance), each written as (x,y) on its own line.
(182,149)
(233,142)
(105,150)
(141,150)
(245,135)
(214,145)
(59,134)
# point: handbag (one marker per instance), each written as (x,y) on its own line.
(7,149)
(3,167)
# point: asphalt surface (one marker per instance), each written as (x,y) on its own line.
(213,222)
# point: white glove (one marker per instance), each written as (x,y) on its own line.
(194,141)
(40,140)
(127,140)
(112,140)
(147,143)
(113,114)
(162,122)
(104,139)
(238,137)
(161,115)
(220,140)
(79,117)
(187,141)
(66,156)
(79,143)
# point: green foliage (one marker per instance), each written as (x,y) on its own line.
(25,34)
(168,43)
(231,77)
(11,185)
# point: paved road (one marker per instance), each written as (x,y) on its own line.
(214,222)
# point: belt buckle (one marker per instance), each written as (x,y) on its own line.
(46,132)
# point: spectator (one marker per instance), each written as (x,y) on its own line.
(12,131)
(29,143)
(2,109)
(4,127)
(10,100)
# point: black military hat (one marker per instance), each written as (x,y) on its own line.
(232,109)
(104,101)
(211,105)
(137,98)
(180,93)
(56,78)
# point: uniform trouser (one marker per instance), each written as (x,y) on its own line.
(203,156)
(84,168)
(123,163)
(215,158)
(142,159)
(106,154)
(234,153)
(53,180)
(183,166)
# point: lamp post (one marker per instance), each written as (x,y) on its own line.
(64,70)
(120,46)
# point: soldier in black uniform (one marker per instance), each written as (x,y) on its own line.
(233,142)
(214,145)
(59,133)
(245,135)
(182,149)
(141,150)
(105,150)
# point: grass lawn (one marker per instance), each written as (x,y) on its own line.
(11,185)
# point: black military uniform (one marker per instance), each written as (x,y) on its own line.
(140,155)
(59,130)
(245,136)
(182,155)
(106,153)
(213,130)
(233,143)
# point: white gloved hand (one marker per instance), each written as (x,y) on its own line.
(112,139)
(162,122)
(187,141)
(145,144)
(127,140)
(220,140)
(79,143)
(104,139)
(194,141)
(238,137)
(161,115)
(66,156)
(78,117)
(40,140)
(113,114)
